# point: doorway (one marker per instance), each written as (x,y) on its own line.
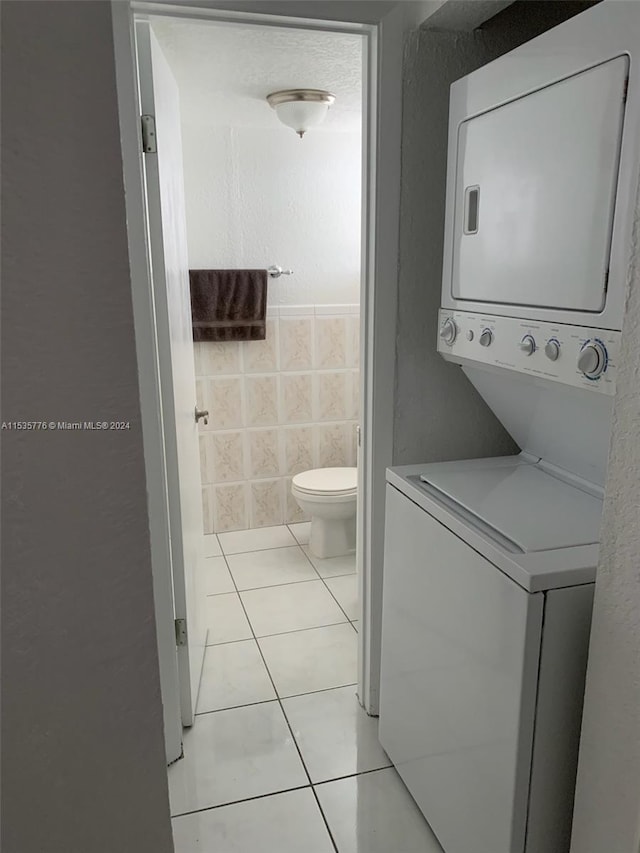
(375,449)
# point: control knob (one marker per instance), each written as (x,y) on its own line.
(528,345)
(448,331)
(552,350)
(486,337)
(592,360)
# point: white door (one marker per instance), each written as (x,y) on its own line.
(170,270)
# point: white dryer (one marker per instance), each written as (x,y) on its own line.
(490,564)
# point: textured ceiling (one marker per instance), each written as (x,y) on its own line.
(224,71)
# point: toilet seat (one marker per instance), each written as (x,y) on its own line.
(327,482)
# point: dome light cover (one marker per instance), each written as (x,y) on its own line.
(301,109)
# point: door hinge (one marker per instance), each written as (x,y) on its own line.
(149,141)
(358,436)
(181,632)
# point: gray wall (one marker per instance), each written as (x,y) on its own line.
(83,750)
(438,413)
(607,808)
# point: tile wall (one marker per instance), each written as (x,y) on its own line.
(277,407)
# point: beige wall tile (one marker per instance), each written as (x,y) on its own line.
(264,453)
(277,407)
(297,406)
(223,400)
(262,356)
(230,510)
(213,358)
(296,345)
(207,509)
(298,449)
(262,400)
(353,340)
(293,513)
(332,396)
(206,458)
(331,342)
(228,456)
(334,445)
(267,505)
(353,395)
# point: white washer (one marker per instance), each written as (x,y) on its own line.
(489,570)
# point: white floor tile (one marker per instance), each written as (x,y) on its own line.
(268,568)
(226,620)
(301,531)
(281,823)
(345,591)
(257,539)
(217,579)
(312,660)
(336,737)
(332,566)
(233,755)
(375,813)
(277,609)
(233,674)
(212,546)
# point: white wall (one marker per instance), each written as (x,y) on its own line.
(83,762)
(262,196)
(607,807)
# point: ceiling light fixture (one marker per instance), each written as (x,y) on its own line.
(301,109)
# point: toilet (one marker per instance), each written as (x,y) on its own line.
(329,496)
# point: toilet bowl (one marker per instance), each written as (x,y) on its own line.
(329,496)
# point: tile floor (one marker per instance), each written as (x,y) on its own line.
(281,756)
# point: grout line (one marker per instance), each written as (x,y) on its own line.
(284,698)
(388,766)
(267,586)
(278,634)
(236,707)
(324,818)
(328,588)
(253,550)
(322,690)
(245,800)
(275,585)
(311,628)
(282,709)
(261,550)
(288,724)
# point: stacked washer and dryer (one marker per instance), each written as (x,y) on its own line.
(490,563)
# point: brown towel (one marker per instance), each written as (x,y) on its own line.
(228,305)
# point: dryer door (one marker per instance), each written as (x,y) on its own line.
(535,192)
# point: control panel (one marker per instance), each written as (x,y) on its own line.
(574,355)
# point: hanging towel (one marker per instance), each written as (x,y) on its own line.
(228,305)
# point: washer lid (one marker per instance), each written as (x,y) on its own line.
(327,480)
(525,504)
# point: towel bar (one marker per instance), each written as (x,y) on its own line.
(276,271)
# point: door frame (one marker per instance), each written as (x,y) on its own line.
(382,94)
